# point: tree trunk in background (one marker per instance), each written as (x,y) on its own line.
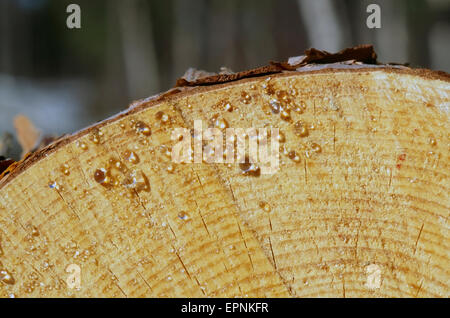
(418,24)
(138,48)
(189,37)
(392,40)
(323,24)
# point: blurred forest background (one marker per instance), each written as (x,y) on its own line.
(64,79)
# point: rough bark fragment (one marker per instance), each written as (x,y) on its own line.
(363,54)
(4,164)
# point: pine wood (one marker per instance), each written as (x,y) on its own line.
(376,193)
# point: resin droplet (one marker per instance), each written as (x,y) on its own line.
(299,108)
(34,231)
(285,114)
(316,147)
(164,118)
(116,164)
(166,151)
(246,98)
(219,122)
(283,96)
(275,106)
(432,141)
(265,206)
(65,169)
(250,169)
(137,180)
(281,137)
(268,89)
(131,156)
(228,107)
(170,168)
(82,145)
(53,185)
(100,176)
(293,156)
(284,150)
(301,129)
(142,128)
(6,277)
(95,137)
(183,215)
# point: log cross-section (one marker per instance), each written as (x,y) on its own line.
(358,208)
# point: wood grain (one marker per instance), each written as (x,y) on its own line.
(371,188)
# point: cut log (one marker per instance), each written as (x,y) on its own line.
(358,208)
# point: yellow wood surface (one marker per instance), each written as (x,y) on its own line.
(369,188)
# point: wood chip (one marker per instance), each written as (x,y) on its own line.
(27,134)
